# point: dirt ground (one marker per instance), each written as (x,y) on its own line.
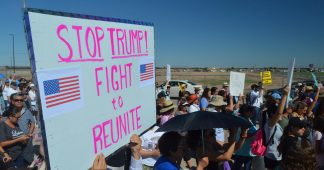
(210,79)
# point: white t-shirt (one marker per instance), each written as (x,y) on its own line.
(32,96)
(256,99)
(272,149)
(319,157)
(219,132)
(193,108)
(5,92)
(11,91)
(149,141)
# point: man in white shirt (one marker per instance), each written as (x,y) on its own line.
(5,91)
(256,100)
(32,97)
(12,90)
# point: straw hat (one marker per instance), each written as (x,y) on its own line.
(217,101)
(309,88)
(167,105)
(225,84)
(192,98)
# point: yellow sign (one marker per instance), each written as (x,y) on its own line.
(267,81)
(267,74)
(266,77)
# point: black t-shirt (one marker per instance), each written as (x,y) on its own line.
(8,133)
(290,142)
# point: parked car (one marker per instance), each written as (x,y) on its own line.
(174,90)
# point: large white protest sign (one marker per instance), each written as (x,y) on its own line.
(291,68)
(168,73)
(95,77)
(237,81)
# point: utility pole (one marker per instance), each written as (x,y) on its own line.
(13,52)
(24,3)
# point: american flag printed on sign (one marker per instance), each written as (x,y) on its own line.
(146,71)
(62,90)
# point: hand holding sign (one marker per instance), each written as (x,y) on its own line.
(99,163)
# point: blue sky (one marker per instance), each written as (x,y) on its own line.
(200,33)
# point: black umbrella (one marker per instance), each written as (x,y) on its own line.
(203,120)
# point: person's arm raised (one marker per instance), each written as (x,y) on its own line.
(312,105)
(230,107)
(240,100)
(275,118)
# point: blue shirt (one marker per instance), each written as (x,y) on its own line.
(203,103)
(246,147)
(163,163)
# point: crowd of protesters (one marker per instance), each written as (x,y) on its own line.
(292,127)
(19,125)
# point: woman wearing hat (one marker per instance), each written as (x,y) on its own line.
(193,102)
(167,111)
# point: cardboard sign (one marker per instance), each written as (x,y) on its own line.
(90,72)
(168,73)
(237,81)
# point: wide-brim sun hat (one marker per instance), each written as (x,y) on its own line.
(217,101)
(167,105)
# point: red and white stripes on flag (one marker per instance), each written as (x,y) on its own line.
(62,90)
(146,71)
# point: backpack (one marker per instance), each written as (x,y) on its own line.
(259,146)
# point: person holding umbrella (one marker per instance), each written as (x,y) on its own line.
(209,152)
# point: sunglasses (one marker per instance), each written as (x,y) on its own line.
(18,100)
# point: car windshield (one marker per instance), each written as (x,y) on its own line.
(192,83)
